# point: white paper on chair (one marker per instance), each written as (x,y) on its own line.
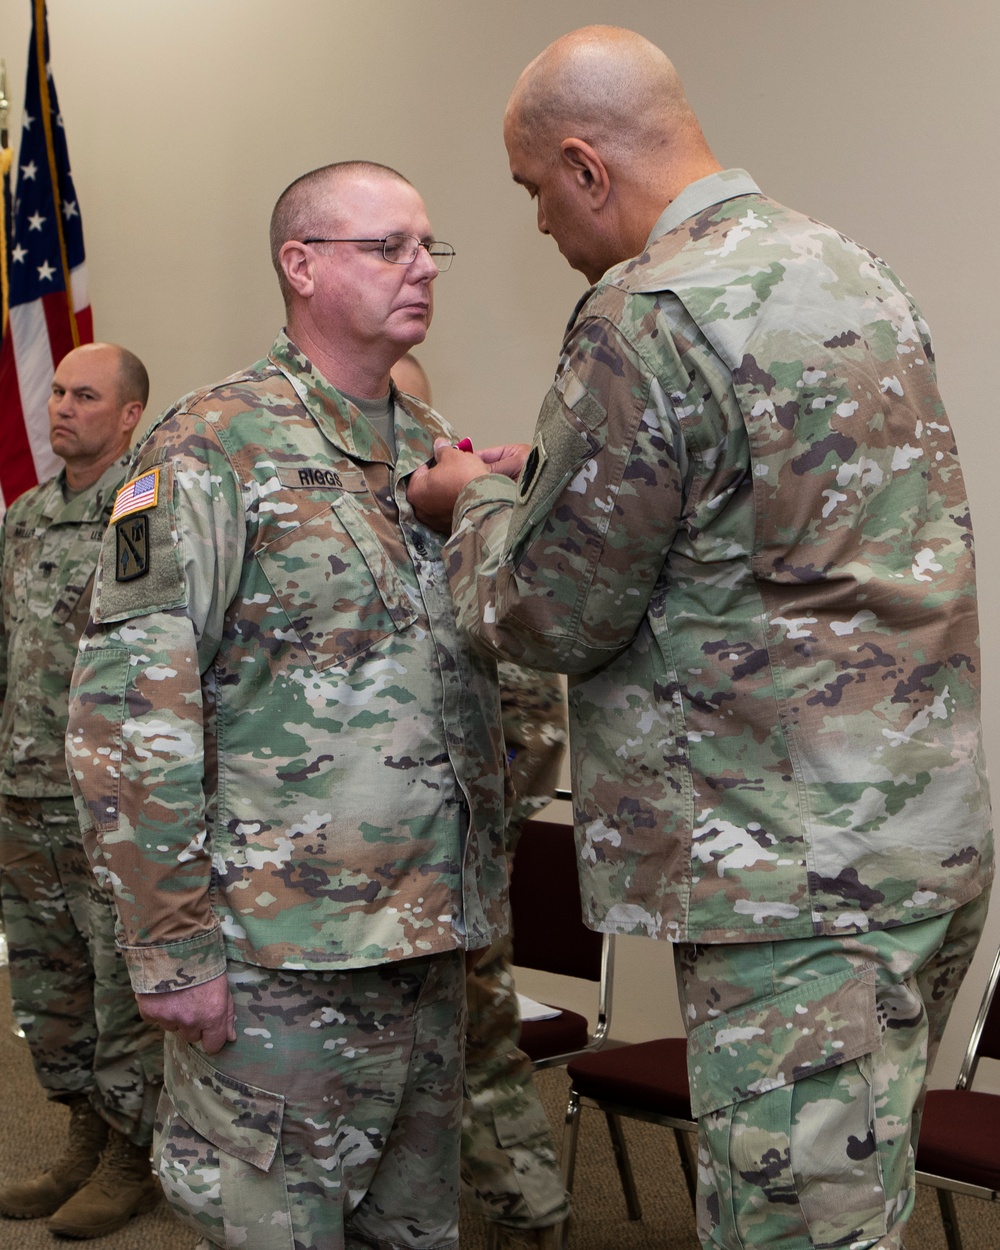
(531,1010)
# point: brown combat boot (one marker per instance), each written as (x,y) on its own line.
(122,1185)
(42,1195)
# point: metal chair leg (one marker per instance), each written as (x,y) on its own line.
(949,1218)
(570,1131)
(624,1166)
(683,1141)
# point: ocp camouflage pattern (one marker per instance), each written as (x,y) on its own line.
(281,750)
(743,528)
(533,718)
(48,551)
(301,1136)
(807,1063)
(69,989)
(510,1169)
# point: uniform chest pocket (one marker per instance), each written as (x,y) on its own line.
(48,585)
(336,583)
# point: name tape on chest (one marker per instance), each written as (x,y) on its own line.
(317,477)
(136,496)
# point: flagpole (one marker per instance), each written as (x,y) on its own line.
(41,29)
(6,160)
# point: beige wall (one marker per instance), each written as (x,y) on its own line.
(186,118)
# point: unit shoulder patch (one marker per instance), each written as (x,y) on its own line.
(140,569)
(132,548)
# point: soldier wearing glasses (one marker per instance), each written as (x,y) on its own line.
(305,828)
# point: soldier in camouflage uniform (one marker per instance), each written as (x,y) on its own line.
(742,528)
(291,766)
(510,1172)
(71,994)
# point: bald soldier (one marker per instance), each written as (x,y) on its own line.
(292,766)
(742,529)
(71,994)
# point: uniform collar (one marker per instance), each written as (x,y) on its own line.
(344,424)
(91,503)
(697,196)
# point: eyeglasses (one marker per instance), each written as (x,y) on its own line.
(402,249)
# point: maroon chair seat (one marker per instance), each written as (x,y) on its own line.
(640,1081)
(564,1034)
(960,1137)
(644,1077)
(958,1151)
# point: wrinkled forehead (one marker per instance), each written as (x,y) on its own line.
(370,206)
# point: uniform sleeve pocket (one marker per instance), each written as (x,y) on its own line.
(218,1152)
(563,445)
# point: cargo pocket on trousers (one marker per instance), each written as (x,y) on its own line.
(523,1133)
(218,1152)
(783,1091)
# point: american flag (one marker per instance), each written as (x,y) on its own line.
(140,493)
(49,310)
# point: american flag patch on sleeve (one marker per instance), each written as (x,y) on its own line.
(136,495)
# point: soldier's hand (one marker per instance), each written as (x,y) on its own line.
(433,488)
(200,1013)
(508,459)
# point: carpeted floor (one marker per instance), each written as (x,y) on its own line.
(31,1135)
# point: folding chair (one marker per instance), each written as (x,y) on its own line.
(640,1081)
(550,936)
(958,1151)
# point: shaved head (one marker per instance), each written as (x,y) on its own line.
(604,84)
(310,203)
(133,380)
(601,135)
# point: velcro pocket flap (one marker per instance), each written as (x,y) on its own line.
(238,1119)
(775,1041)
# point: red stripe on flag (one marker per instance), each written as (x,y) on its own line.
(85,324)
(56,307)
(17,464)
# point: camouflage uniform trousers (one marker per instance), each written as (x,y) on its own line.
(807,1061)
(69,985)
(334,1119)
(510,1173)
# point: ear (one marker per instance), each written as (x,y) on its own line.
(131,415)
(297,263)
(587,170)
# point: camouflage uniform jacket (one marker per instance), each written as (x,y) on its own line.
(742,526)
(48,552)
(276,736)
